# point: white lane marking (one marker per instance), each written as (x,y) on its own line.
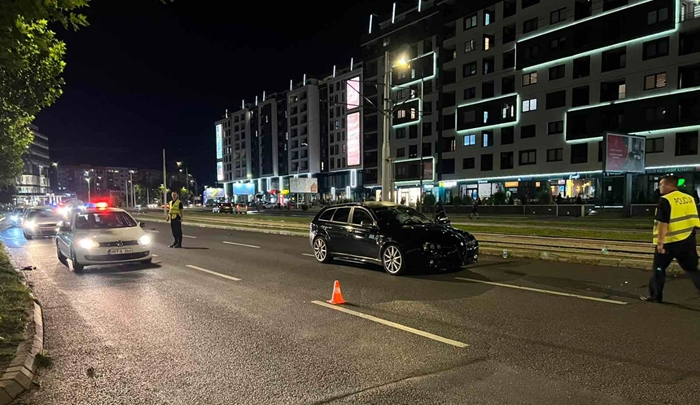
(2,219)
(154,255)
(393,324)
(241,244)
(308,254)
(213,273)
(188,236)
(563,294)
(153,231)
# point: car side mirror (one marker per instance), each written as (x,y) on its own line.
(64,226)
(142,224)
(367,224)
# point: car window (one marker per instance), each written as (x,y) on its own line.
(326,216)
(102,220)
(42,213)
(341,215)
(360,215)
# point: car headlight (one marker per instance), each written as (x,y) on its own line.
(430,246)
(13,217)
(30,224)
(87,243)
(145,240)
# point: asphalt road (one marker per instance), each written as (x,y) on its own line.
(173,334)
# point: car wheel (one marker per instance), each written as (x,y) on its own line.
(147,261)
(321,251)
(77,267)
(393,260)
(61,257)
(28,237)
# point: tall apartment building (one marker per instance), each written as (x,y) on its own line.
(517,96)
(33,185)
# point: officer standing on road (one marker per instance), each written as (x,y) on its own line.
(674,237)
(175,217)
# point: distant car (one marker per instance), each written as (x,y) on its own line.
(16,216)
(98,236)
(226,208)
(241,208)
(392,235)
(40,221)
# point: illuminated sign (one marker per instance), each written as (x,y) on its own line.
(243,189)
(353,139)
(303,185)
(353,92)
(448,184)
(219,143)
(512,184)
(624,153)
(220,171)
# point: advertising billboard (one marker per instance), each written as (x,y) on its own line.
(220,171)
(219,142)
(353,139)
(211,193)
(352,86)
(303,185)
(624,153)
(243,189)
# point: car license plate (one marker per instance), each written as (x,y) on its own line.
(118,251)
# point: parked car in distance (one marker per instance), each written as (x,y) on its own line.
(241,208)
(395,236)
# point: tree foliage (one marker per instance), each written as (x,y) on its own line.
(31,62)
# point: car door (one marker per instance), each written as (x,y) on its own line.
(65,238)
(362,240)
(337,230)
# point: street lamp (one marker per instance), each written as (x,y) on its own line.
(87,179)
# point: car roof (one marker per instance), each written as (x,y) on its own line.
(108,209)
(368,204)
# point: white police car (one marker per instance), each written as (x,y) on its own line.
(102,235)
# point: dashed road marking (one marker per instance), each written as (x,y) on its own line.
(563,294)
(393,325)
(242,244)
(308,254)
(213,273)
(154,255)
(188,236)
(152,231)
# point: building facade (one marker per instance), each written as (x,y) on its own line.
(517,96)
(33,185)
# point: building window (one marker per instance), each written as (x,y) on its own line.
(468,163)
(400,133)
(469,93)
(470,22)
(427,149)
(557,42)
(489,65)
(399,114)
(509,59)
(614,59)
(659,15)
(654,145)
(469,140)
(530,105)
(655,49)
(555,155)
(530,25)
(657,113)
(487,139)
(469,69)
(469,46)
(655,81)
(582,67)
(556,99)
(508,111)
(579,96)
(557,72)
(528,3)
(556,16)
(448,166)
(555,127)
(486,163)
(489,42)
(686,143)
(506,160)
(579,153)
(401,152)
(412,151)
(507,135)
(528,131)
(528,157)
(489,17)
(529,78)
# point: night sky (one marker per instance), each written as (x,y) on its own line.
(146,75)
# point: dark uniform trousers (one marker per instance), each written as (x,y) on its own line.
(176,228)
(686,254)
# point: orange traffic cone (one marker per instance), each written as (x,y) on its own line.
(337,298)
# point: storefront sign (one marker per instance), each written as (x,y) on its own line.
(624,153)
(353,139)
(303,185)
(448,184)
(482,181)
(510,184)
(575,176)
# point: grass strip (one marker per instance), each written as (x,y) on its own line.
(14,304)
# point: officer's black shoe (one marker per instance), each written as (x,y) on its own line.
(173,245)
(650,299)
(177,246)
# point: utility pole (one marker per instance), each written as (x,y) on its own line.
(420,147)
(131,182)
(387,187)
(165,187)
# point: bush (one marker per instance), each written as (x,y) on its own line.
(499,198)
(457,201)
(429,199)
(304,207)
(544,197)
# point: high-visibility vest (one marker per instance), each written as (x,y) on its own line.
(684,218)
(175,208)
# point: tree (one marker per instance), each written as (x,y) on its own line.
(31,62)
(499,198)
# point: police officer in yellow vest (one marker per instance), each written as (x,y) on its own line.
(674,237)
(175,217)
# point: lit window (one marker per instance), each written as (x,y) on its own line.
(469,46)
(413,113)
(401,114)
(530,105)
(487,43)
(470,140)
(621,91)
(486,117)
(530,78)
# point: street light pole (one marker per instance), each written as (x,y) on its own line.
(387,188)
(420,147)
(88,186)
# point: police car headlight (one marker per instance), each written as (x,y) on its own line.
(31,225)
(87,243)
(145,240)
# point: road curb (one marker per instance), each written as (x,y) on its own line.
(18,377)
(562,257)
